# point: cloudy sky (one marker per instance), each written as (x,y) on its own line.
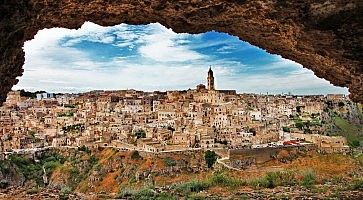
(152,57)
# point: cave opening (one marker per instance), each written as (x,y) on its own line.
(323,36)
(152,57)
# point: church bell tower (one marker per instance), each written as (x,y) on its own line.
(210,79)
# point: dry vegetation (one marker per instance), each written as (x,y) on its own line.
(114,172)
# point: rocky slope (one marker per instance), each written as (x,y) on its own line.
(109,173)
(324,36)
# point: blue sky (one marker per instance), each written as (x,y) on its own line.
(152,57)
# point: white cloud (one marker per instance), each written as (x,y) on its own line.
(166,61)
(298,80)
(163,45)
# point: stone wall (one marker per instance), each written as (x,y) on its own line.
(244,158)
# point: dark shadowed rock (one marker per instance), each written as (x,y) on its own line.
(324,36)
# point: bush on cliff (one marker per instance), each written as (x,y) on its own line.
(135,155)
(210,158)
(169,161)
(30,169)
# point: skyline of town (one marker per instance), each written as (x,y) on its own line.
(39,90)
(203,117)
(166,90)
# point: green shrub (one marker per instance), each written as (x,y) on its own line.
(169,161)
(244,197)
(125,193)
(337,179)
(85,149)
(309,178)
(34,190)
(273,179)
(355,143)
(285,178)
(50,166)
(144,194)
(286,129)
(135,155)
(219,179)
(190,187)
(358,185)
(195,197)
(92,160)
(261,182)
(74,178)
(64,193)
(165,196)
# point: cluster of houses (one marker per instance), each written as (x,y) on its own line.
(164,121)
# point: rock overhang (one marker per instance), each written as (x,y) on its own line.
(322,35)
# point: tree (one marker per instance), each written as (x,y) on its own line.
(24,93)
(253,131)
(135,155)
(299,125)
(140,134)
(286,129)
(355,143)
(171,129)
(210,158)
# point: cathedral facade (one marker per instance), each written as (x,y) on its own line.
(210,94)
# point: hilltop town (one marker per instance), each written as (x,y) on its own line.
(130,144)
(204,117)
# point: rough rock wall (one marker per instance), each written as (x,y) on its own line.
(323,35)
(244,158)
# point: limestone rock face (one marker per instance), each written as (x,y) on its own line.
(323,35)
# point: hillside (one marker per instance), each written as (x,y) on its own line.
(109,173)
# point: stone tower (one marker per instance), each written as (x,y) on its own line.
(210,79)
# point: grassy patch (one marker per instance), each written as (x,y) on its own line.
(274,179)
(353,133)
(216,180)
(64,193)
(144,194)
(191,187)
(360,159)
(220,179)
(358,184)
(309,178)
(169,161)
(34,190)
(195,197)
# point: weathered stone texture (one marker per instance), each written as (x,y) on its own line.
(323,35)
